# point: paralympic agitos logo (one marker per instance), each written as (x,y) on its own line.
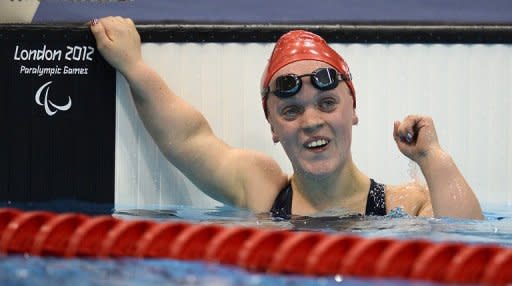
(49,106)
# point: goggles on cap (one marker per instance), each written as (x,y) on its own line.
(290,84)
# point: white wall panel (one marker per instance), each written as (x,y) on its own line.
(465,88)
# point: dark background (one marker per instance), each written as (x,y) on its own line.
(69,155)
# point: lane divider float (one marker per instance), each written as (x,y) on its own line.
(263,250)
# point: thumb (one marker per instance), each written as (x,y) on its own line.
(396,136)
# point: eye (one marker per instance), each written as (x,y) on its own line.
(327,104)
(291,112)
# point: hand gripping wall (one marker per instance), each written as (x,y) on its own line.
(263,250)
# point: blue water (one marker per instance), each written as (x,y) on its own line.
(28,270)
(495,229)
(20,270)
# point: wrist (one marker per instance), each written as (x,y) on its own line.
(432,156)
(133,70)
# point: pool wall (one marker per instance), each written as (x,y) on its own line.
(464,87)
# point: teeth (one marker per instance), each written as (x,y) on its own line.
(316,143)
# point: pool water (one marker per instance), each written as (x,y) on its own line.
(496,229)
(22,270)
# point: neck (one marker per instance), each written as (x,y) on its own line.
(345,188)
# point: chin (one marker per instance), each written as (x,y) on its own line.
(318,171)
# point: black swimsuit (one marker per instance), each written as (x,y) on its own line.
(375,204)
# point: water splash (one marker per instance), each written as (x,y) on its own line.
(415,174)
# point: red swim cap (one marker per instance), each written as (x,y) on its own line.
(302,45)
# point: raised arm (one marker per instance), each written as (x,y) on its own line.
(450,194)
(180,131)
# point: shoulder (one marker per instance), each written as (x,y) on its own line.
(262,179)
(412,197)
(252,163)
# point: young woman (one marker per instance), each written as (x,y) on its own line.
(310,104)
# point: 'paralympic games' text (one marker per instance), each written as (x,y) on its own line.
(56,70)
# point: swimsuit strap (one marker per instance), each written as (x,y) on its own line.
(375,203)
(282,206)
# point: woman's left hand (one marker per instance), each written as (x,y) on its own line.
(416,137)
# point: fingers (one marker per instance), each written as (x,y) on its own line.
(396,134)
(408,130)
(99,32)
(118,41)
(405,131)
(103,28)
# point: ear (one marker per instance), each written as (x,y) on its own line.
(355,119)
(275,138)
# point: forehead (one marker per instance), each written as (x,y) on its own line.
(300,67)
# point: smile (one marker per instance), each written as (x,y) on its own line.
(317,143)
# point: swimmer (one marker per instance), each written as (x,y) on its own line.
(310,104)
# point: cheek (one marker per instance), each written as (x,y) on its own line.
(345,133)
(284,132)
(343,124)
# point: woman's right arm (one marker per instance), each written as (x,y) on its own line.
(170,120)
(180,131)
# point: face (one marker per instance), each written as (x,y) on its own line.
(313,126)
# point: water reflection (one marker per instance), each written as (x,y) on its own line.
(497,228)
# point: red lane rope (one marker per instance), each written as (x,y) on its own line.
(276,251)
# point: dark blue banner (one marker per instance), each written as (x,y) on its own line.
(57,116)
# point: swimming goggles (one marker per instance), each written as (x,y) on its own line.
(323,79)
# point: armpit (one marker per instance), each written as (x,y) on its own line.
(413,198)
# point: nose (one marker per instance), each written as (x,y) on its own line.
(312,120)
